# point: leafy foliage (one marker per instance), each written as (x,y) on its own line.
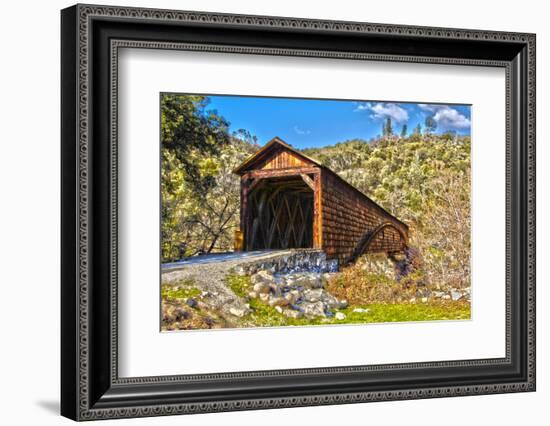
(200,196)
(423,180)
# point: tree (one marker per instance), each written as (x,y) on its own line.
(189,131)
(404,130)
(220,205)
(449,135)
(447,237)
(199,193)
(430,125)
(387,128)
(417,129)
(245,136)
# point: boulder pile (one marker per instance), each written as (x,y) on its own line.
(296,294)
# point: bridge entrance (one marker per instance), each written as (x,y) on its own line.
(281,214)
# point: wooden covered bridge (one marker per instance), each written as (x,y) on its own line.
(289,200)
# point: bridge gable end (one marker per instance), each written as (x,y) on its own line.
(276,154)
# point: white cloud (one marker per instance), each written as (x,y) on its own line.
(447,118)
(361,106)
(428,107)
(301,131)
(383,110)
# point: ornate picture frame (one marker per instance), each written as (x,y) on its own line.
(90,40)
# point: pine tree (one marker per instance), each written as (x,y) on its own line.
(387,128)
(430,125)
(404,131)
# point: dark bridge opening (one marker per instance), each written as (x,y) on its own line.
(281,214)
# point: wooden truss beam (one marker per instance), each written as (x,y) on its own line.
(308,181)
(272,173)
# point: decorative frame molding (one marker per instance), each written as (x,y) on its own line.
(91,37)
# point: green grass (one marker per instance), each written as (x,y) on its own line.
(266,316)
(240,285)
(263,315)
(180,290)
(403,312)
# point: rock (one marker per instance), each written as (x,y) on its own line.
(438,294)
(361,310)
(180,314)
(290,279)
(252,294)
(276,291)
(340,316)
(377,263)
(304,279)
(278,301)
(456,295)
(332,265)
(279,309)
(412,300)
(262,287)
(399,257)
(251,269)
(192,303)
(201,305)
(423,292)
(446,297)
(291,313)
(238,312)
(328,275)
(313,295)
(296,293)
(240,270)
(262,277)
(264,297)
(424,300)
(343,304)
(330,300)
(314,309)
(292,297)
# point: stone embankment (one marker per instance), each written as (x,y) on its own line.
(296,294)
(208,275)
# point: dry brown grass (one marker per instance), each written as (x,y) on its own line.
(177,316)
(359,286)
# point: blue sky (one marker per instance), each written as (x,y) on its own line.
(306,123)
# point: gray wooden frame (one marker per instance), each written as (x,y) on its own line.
(91,37)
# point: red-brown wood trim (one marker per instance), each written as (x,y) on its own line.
(316,211)
(308,181)
(293,171)
(252,186)
(319,197)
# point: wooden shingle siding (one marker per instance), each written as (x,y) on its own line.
(349,216)
(387,240)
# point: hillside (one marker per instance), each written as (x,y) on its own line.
(424,180)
